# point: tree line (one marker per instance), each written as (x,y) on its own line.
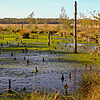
(34,21)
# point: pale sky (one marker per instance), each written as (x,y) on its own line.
(44,8)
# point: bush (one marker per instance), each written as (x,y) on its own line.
(25,33)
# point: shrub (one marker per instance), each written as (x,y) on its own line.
(25,33)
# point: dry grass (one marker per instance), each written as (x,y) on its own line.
(25,25)
(42,96)
(90,86)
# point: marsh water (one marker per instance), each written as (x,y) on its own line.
(20,67)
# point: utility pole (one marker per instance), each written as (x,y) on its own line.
(75,28)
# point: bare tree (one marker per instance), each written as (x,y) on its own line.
(66,24)
(30,19)
(96,16)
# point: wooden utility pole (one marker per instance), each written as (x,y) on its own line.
(75,28)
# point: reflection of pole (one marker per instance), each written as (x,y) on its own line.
(49,39)
(75,24)
(75,85)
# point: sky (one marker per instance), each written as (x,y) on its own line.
(45,8)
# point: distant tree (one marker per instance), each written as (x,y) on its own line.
(36,27)
(96,16)
(45,26)
(66,23)
(30,19)
(89,26)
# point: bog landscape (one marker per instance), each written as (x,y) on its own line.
(50,58)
